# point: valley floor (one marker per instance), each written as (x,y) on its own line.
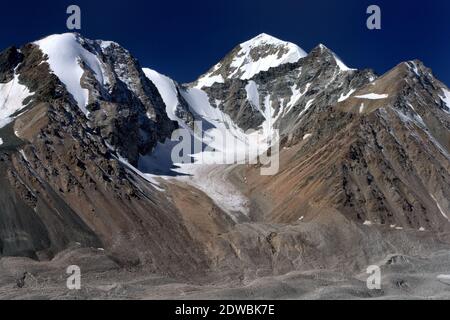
(403,277)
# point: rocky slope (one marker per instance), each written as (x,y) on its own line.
(364,160)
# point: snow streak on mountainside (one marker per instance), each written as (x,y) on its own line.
(250,58)
(373,96)
(167,89)
(12,96)
(446,99)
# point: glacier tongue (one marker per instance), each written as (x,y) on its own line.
(209,166)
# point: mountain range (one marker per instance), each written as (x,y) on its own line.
(86,169)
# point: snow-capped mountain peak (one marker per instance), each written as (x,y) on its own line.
(264,52)
(264,38)
(250,58)
(342,66)
(65,52)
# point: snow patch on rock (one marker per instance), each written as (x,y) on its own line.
(12,95)
(208,80)
(307,106)
(296,96)
(346,96)
(446,99)
(252,94)
(373,96)
(361,108)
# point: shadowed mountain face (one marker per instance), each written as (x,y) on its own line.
(364,160)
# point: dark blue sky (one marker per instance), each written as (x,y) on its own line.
(184,38)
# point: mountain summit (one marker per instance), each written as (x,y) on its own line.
(250,58)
